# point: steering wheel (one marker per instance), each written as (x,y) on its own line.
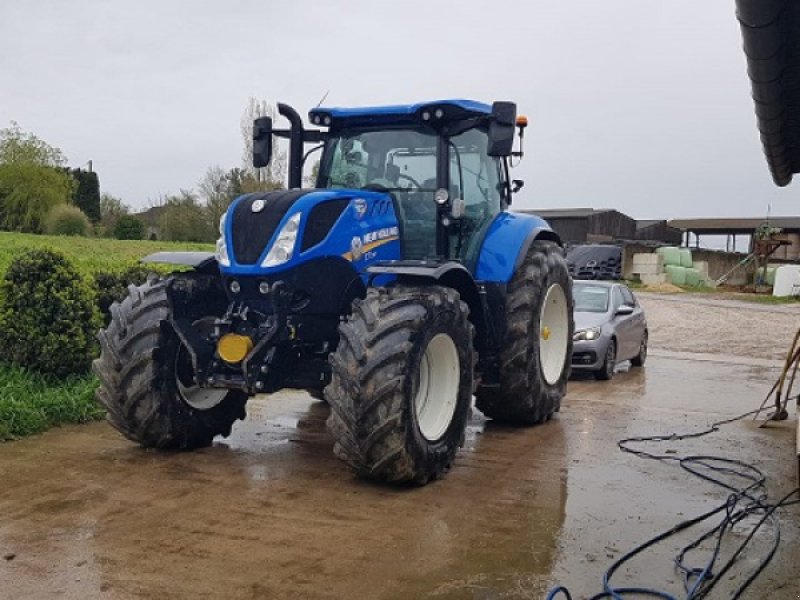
(413,181)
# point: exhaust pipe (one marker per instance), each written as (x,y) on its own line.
(296,139)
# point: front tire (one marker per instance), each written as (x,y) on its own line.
(401,384)
(606,372)
(535,358)
(144,385)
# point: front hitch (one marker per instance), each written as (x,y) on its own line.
(258,333)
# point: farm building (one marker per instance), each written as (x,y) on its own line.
(581,225)
(693,229)
(658,230)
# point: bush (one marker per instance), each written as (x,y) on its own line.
(129,228)
(48,319)
(184,220)
(112,286)
(66,219)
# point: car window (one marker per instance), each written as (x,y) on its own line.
(590,298)
(617,297)
(627,297)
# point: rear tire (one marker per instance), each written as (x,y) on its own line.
(534,367)
(401,384)
(140,383)
(606,372)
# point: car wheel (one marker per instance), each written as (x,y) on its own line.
(606,372)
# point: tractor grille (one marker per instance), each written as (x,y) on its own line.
(252,231)
(320,220)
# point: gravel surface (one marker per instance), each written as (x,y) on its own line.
(698,324)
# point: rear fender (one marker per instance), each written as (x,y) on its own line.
(507,243)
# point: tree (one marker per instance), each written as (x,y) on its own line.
(185,220)
(111,210)
(87,193)
(32,181)
(19,147)
(128,227)
(311,178)
(273,175)
(216,189)
(28,192)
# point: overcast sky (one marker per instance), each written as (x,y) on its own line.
(639,105)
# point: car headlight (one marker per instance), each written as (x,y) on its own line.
(222,245)
(283,248)
(586,334)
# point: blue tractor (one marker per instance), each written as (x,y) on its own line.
(396,290)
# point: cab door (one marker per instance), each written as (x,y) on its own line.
(477,179)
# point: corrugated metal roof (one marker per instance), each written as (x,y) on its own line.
(641,224)
(733,225)
(771,33)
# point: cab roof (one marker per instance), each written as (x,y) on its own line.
(435,110)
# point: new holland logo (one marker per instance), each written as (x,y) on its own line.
(360,207)
(360,245)
(257,206)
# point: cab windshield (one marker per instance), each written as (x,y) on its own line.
(391,159)
(403,162)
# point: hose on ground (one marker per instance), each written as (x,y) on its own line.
(746,497)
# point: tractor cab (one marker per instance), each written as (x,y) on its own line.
(444,165)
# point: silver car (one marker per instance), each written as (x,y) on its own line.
(610,327)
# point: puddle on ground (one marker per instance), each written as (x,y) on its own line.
(271,513)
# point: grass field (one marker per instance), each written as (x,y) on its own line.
(30,403)
(89,254)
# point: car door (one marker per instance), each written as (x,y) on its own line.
(637,318)
(625,327)
(635,322)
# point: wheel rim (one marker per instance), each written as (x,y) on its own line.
(197,397)
(643,349)
(553,333)
(437,387)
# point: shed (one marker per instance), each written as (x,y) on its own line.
(581,225)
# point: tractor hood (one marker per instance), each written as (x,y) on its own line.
(272,231)
(254,219)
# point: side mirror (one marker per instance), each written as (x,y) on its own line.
(501,128)
(262,142)
(625,309)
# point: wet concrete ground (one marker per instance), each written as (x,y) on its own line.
(270,513)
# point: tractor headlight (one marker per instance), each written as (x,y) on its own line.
(222,245)
(283,248)
(586,334)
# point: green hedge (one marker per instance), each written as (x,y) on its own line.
(112,286)
(66,219)
(48,317)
